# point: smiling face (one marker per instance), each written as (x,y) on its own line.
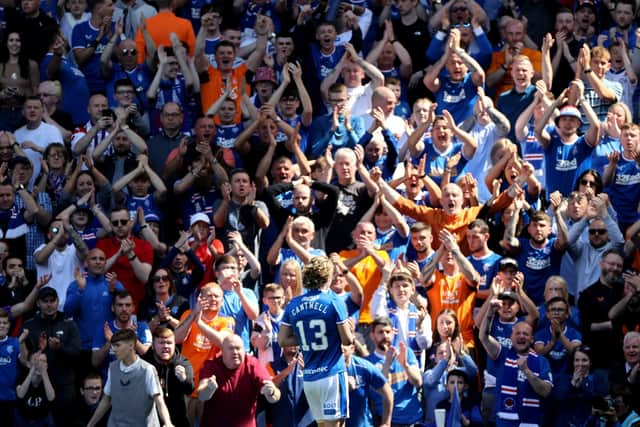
(631,350)
(161,282)
(14,43)
(581,362)
(210,298)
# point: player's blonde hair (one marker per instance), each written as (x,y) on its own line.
(317,273)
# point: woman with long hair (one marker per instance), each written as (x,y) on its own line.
(162,306)
(19,79)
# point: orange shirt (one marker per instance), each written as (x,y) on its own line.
(159,28)
(456,293)
(507,82)
(369,275)
(196,346)
(457,224)
(214,88)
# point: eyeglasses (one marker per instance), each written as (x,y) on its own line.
(125,92)
(164,278)
(94,388)
(130,52)
(56,154)
(121,222)
(459,9)
(467,25)
(599,231)
(587,182)
(557,310)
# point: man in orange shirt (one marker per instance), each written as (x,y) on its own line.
(224,73)
(201,332)
(454,287)
(366,263)
(451,217)
(161,26)
(499,75)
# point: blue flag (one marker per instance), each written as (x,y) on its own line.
(455,412)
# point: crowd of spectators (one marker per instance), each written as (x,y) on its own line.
(195,194)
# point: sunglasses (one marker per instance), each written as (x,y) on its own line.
(117,222)
(130,52)
(599,231)
(587,182)
(164,278)
(459,9)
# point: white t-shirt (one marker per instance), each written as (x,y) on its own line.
(61,265)
(41,136)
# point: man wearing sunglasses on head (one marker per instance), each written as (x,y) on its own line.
(127,256)
(119,61)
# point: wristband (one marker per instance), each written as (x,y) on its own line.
(587,70)
(131,258)
(504,67)
(94,44)
(143,226)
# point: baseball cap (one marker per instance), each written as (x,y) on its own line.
(506,263)
(588,4)
(46,292)
(200,216)
(569,111)
(508,295)
(265,74)
(151,217)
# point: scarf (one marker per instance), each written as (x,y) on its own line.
(517,400)
(412,325)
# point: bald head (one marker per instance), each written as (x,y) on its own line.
(96,262)
(232,351)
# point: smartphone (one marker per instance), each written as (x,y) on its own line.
(108,112)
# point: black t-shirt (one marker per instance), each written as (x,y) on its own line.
(34,405)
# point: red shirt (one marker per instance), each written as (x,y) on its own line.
(234,402)
(122,266)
